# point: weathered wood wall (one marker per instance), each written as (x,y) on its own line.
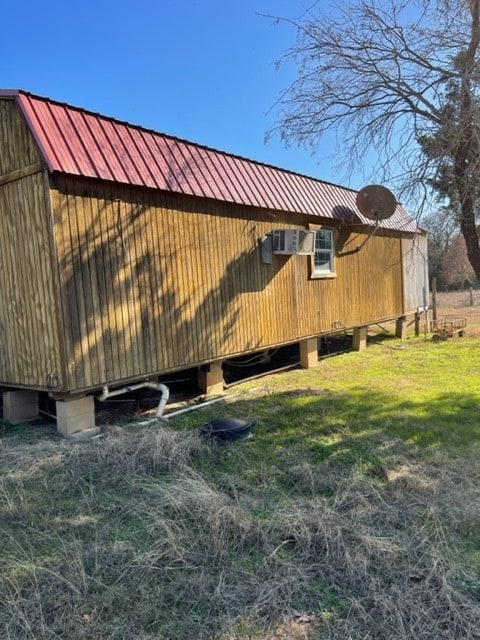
(29,331)
(102,283)
(415,272)
(18,149)
(155,282)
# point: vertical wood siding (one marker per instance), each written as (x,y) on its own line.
(30,346)
(154,282)
(16,144)
(29,338)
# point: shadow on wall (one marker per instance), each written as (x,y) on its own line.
(140,295)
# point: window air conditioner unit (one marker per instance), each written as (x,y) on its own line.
(289,242)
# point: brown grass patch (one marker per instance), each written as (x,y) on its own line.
(123,538)
(459,303)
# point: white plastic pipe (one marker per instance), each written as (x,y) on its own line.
(164,397)
(200,405)
(178,412)
(157,386)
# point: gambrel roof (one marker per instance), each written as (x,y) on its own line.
(78,142)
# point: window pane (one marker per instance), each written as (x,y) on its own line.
(323,239)
(323,260)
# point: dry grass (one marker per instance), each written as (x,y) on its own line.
(325,527)
(459,303)
(123,538)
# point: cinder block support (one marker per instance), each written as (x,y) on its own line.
(401,327)
(210,379)
(359,338)
(19,406)
(309,353)
(76,418)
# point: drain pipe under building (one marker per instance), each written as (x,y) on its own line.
(157,386)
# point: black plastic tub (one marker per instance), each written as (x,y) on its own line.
(224,429)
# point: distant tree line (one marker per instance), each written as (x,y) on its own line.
(447,252)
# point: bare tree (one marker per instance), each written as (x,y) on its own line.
(399,79)
(442,231)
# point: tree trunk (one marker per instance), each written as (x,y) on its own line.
(469,228)
(467,151)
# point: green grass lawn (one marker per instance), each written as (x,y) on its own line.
(354,512)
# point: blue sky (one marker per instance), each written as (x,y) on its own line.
(203,70)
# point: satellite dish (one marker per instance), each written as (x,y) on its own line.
(376,202)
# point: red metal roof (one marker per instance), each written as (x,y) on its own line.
(78,142)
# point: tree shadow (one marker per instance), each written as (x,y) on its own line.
(125,312)
(348,424)
(82,502)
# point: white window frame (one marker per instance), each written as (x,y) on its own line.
(329,271)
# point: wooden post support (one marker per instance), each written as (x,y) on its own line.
(210,379)
(20,405)
(401,327)
(434,299)
(76,418)
(417,324)
(360,338)
(309,353)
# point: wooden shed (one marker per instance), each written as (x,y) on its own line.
(126,254)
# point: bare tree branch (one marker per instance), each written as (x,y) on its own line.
(400,79)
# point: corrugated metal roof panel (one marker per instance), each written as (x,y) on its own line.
(153,156)
(196,181)
(79,142)
(211,176)
(253,185)
(43,124)
(227,178)
(94,159)
(235,173)
(175,181)
(143,158)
